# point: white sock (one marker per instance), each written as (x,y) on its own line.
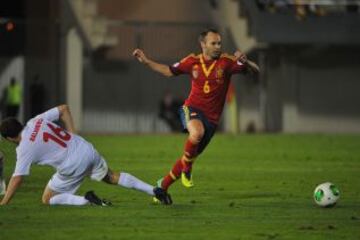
(68,199)
(129,181)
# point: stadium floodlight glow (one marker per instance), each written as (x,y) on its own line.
(10,26)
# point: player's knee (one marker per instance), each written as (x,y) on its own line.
(111,178)
(196,135)
(45,200)
(115,178)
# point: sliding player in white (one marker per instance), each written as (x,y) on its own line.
(43,142)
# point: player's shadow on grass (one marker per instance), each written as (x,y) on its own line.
(257,195)
(251,195)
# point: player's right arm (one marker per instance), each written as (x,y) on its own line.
(157,67)
(250,65)
(14,184)
(24,158)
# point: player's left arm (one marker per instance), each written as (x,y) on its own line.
(14,184)
(66,118)
(250,65)
(155,66)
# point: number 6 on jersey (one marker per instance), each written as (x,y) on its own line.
(206,87)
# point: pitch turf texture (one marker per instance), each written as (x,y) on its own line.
(247,187)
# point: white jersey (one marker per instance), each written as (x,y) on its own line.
(45,143)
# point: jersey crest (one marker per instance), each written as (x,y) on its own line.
(219,75)
(195,71)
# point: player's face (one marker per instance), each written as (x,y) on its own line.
(211,45)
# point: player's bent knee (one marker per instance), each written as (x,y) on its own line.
(45,199)
(115,178)
(196,136)
(47,195)
(111,178)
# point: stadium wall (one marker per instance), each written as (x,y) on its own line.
(125,97)
(312,89)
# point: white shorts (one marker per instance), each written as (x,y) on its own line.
(69,179)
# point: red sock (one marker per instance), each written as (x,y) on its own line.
(173,175)
(187,166)
(190,149)
(179,166)
(190,153)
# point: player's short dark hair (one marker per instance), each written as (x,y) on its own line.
(204,33)
(10,127)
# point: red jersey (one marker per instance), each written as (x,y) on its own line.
(209,82)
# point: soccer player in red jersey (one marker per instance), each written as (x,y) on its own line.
(210,74)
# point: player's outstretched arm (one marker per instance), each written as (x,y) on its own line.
(14,184)
(157,67)
(252,66)
(66,118)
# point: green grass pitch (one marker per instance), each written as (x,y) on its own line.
(246,187)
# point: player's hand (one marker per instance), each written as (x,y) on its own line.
(2,202)
(254,68)
(241,56)
(140,55)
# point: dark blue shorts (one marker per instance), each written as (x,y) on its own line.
(187,113)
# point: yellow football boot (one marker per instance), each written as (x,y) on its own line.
(186,180)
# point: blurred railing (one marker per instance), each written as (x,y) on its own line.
(303,8)
(272,28)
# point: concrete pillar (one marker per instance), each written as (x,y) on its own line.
(74,75)
(290,95)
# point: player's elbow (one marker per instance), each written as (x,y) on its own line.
(256,69)
(45,200)
(168,74)
(17,180)
(63,109)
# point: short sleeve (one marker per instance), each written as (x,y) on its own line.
(23,164)
(236,67)
(51,115)
(182,67)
